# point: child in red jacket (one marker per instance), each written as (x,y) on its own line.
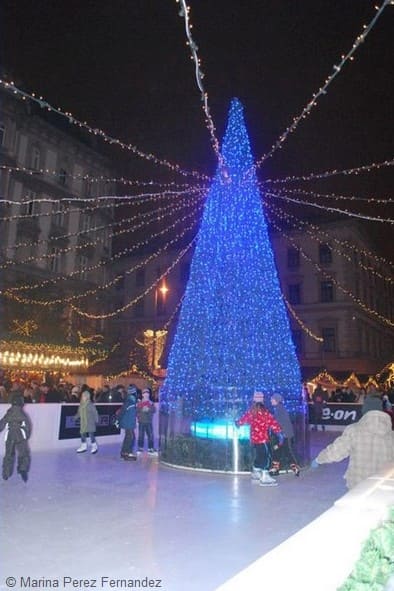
(261,423)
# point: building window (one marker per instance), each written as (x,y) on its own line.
(293,258)
(139,308)
(55,262)
(297,340)
(326,291)
(36,158)
(30,205)
(294,291)
(82,264)
(86,222)
(2,134)
(329,340)
(325,254)
(62,178)
(140,278)
(59,217)
(88,187)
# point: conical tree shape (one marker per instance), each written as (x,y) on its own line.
(233,332)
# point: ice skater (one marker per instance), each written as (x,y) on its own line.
(18,430)
(283,455)
(261,423)
(89,418)
(127,418)
(145,411)
(369,445)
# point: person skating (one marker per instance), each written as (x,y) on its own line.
(18,430)
(261,423)
(127,417)
(89,418)
(145,411)
(283,455)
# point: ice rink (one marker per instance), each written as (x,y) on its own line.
(98,518)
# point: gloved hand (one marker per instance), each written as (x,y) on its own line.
(314,464)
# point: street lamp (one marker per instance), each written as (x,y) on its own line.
(162,291)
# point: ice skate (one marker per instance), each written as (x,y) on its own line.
(82,448)
(23,474)
(256,474)
(274,470)
(295,468)
(267,480)
(129,457)
(94,449)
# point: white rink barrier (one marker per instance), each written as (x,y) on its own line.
(321,555)
(45,420)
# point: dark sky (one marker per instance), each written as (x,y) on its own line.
(124,67)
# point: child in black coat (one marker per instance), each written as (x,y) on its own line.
(18,430)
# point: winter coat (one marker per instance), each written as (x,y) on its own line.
(145,411)
(92,418)
(369,444)
(261,422)
(128,413)
(17,425)
(282,416)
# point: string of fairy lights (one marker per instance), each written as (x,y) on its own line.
(332,279)
(176,168)
(337,68)
(335,197)
(145,219)
(345,247)
(128,250)
(105,286)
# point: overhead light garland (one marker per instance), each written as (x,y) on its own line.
(357,300)
(317,233)
(300,322)
(10,86)
(349,56)
(151,217)
(102,287)
(93,179)
(333,196)
(329,173)
(333,209)
(140,296)
(9,292)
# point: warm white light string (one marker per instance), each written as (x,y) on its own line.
(10,86)
(92,179)
(335,197)
(139,297)
(151,218)
(323,90)
(361,304)
(332,209)
(329,173)
(135,246)
(300,322)
(95,229)
(317,233)
(122,201)
(184,12)
(104,286)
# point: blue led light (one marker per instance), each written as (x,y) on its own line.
(219,429)
(233,333)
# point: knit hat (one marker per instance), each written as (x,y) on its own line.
(277,397)
(258,397)
(17,400)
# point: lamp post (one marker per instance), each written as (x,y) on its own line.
(163,290)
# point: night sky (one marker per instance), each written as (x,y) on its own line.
(123,66)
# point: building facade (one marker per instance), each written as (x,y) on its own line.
(339,291)
(52,237)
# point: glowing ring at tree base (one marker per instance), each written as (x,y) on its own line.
(219,429)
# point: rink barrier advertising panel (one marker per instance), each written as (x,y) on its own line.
(337,413)
(69,425)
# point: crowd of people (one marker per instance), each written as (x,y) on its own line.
(34,392)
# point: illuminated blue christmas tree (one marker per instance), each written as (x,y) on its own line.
(233,333)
